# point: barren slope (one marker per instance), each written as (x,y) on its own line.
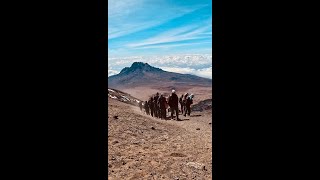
(140,147)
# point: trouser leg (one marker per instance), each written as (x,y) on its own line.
(177,112)
(156,112)
(188,109)
(164,113)
(172,111)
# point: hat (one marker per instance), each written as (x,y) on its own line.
(173,91)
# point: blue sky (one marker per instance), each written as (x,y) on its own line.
(141,28)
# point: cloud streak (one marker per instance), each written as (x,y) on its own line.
(204,72)
(191,32)
(127,17)
(159,27)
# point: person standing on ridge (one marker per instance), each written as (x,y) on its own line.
(151,106)
(167,106)
(189,101)
(159,109)
(146,107)
(184,101)
(181,103)
(155,101)
(162,103)
(140,105)
(173,103)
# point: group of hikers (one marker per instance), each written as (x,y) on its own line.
(158,105)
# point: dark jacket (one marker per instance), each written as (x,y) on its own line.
(162,102)
(155,100)
(150,103)
(146,106)
(189,101)
(181,100)
(173,100)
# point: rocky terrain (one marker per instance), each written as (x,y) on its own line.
(202,105)
(123,97)
(142,147)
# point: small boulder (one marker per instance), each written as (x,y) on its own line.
(196,165)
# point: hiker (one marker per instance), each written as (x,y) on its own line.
(167,106)
(155,103)
(159,109)
(151,107)
(173,103)
(162,105)
(189,101)
(181,103)
(184,101)
(146,107)
(140,105)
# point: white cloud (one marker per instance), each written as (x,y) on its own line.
(197,64)
(205,72)
(111,71)
(167,46)
(185,60)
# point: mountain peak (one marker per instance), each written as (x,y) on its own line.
(139,66)
(140,73)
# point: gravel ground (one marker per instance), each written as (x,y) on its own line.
(142,147)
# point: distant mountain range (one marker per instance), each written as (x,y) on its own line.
(142,74)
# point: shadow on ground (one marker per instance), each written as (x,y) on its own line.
(196,115)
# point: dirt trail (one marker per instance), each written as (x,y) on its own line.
(190,124)
(142,147)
